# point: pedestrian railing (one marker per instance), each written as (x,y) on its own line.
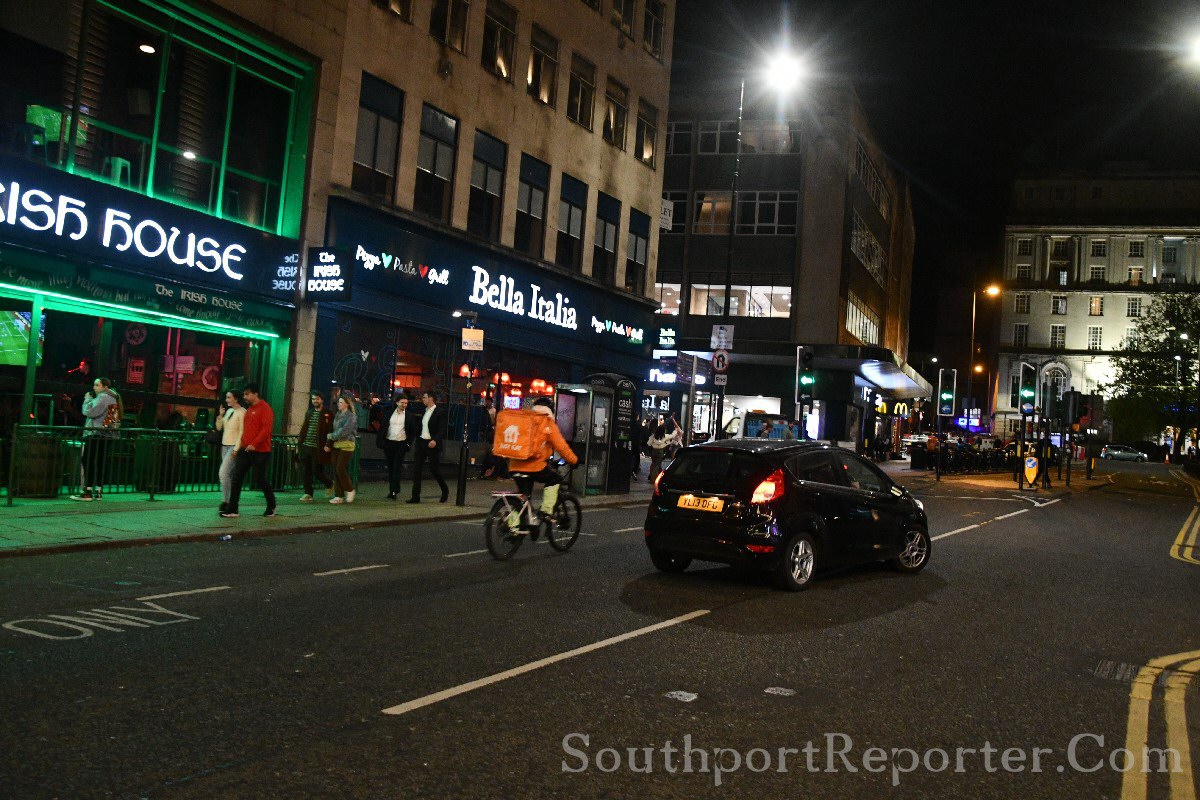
(48,461)
(956,460)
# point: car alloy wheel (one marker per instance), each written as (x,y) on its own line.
(799,563)
(916,552)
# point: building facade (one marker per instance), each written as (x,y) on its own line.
(171,165)
(1084,257)
(820,255)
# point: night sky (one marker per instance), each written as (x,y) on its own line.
(965,95)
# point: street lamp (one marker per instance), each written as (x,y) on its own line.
(782,73)
(990,291)
(460,494)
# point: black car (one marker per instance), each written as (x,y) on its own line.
(783,506)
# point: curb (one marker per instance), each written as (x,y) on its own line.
(263,533)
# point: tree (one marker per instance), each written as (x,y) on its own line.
(1145,394)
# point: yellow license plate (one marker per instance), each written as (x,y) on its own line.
(690,501)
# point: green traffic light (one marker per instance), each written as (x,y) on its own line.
(1027,394)
(947,396)
(807,380)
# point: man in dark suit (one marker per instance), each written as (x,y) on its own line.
(399,428)
(428,447)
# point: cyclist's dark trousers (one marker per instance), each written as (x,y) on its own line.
(525,480)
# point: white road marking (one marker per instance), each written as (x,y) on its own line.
(779,690)
(351,569)
(468,553)
(627,530)
(1013,514)
(181,594)
(472,522)
(966,497)
(951,533)
(681,696)
(446,694)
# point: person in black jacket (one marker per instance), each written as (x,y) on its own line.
(428,446)
(398,429)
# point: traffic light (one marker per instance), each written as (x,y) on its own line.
(1084,409)
(1068,408)
(1050,404)
(947,387)
(1028,384)
(806,378)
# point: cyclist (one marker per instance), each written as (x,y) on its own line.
(537,470)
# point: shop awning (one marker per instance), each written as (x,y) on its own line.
(877,365)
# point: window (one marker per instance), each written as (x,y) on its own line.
(581,91)
(616,109)
(448,23)
(668,295)
(1169,255)
(499,36)
(1024,272)
(1137,249)
(768,136)
(1057,380)
(679,205)
(1135,276)
(814,468)
(1061,248)
(1058,304)
(718,137)
(861,475)
(1021,334)
(1096,307)
(378,138)
(1131,338)
(1014,391)
(1095,337)
(868,250)
(646,133)
(571,206)
(1021,303)
(679,138)
(635,252)
(1098,273)
(767,213)
(530,231)
(622,15)
(710,212)
(865,169)
(401,8)
(487,186)
(604,249)
(1099,248)
(1058,336)
(1133,307)
(543,67)
(1062,276)
(435,164)
(1024,247)
(652,27)
(761,295)
(861,320)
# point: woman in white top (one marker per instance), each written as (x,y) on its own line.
(230,425)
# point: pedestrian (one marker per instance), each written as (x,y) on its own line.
(395,437)
(428,447)
(230,423)
(674,436)
(657,444)
(341,442)
(311,454)
(492,466)
(254,451)
(103,412)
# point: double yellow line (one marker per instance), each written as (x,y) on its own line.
(1183,668)
(1185,547)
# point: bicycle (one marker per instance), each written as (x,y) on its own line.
(505,527)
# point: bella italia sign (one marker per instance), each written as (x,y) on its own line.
(55,211)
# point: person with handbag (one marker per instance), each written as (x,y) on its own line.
(395,436)
(229,428)
(341,444)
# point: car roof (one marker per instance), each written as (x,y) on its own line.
(766,446)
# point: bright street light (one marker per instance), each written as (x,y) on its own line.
(784,72)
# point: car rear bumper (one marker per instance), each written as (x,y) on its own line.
(756,544)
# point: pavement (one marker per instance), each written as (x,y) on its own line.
(31,527)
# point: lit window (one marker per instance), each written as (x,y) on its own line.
(543,67)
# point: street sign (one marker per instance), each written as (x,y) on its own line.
(720,379)
(1031,470)
(666,215)
(1027,408)
(472,339)
(722,337)
(720,361)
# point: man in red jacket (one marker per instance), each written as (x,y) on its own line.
(254,453)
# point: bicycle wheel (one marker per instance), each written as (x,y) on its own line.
(502,538)
(564,523)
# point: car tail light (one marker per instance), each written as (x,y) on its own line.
(761,548)
(770,489)
(657,481)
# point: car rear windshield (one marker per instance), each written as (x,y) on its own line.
(706,465)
